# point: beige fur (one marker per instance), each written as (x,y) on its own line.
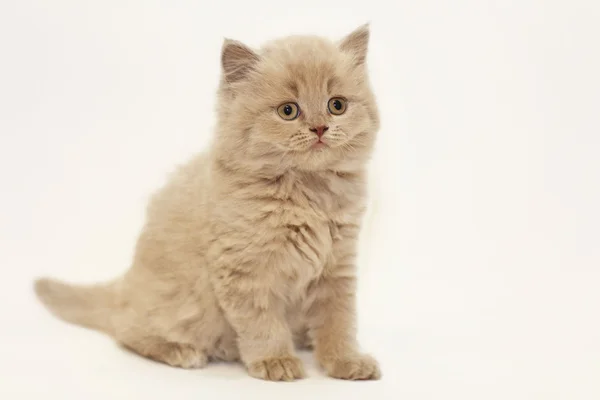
(250,248)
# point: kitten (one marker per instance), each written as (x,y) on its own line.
(249,250)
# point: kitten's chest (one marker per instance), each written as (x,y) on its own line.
(319,198)
(309,217)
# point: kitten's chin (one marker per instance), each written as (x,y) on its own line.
(269,157)
(318,146)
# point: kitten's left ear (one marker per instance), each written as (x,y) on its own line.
(357,43)
(237,60)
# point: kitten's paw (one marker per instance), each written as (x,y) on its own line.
(355,367)
(184,356)
(277,369)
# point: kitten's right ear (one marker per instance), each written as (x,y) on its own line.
(237,60)
(357,43)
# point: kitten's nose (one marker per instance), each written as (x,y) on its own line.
(319,130)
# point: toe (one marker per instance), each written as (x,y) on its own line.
(277,369)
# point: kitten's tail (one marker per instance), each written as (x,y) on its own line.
(90,306)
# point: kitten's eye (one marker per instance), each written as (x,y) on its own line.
(337,106)
(288,111)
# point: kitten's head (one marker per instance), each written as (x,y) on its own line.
(300,102)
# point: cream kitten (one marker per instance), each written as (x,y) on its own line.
(250,249)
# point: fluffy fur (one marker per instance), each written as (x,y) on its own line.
(249,250)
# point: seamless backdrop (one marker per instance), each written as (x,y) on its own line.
(480,260)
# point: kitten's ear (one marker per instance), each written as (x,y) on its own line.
(357,43)
(237,60)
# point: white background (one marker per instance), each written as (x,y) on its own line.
(480,266)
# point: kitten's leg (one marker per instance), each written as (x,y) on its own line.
(264,338)
(302,340)
(299,326)
(226,348)
(175,354)
(332,315)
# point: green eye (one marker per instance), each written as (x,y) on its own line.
(337,106)
(288,111)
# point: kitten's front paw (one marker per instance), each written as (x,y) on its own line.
(277,369)
(354,367)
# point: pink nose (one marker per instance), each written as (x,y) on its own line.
(319,130)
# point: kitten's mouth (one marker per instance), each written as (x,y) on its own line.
(318,145)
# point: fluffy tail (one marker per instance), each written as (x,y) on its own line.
(89,306)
